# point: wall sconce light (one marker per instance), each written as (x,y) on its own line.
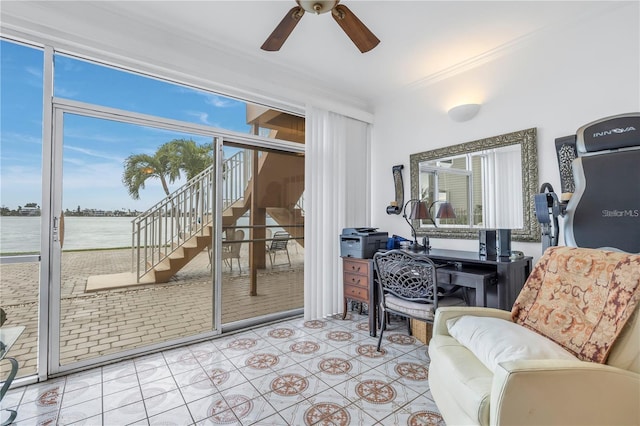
(464,112)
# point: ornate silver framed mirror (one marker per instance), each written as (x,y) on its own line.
(484,184)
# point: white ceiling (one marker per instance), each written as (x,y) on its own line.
(421,41)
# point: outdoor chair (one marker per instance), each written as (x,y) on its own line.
(231,249)
(408,287)
(278,243)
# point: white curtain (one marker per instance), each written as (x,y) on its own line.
(337,196)
(503,201)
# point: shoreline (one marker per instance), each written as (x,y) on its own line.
(37,253)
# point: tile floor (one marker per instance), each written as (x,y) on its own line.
(290,373)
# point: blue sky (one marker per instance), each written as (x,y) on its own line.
(94,150)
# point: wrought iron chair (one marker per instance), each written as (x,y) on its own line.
(279,244)
(407,286)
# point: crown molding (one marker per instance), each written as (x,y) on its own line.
(505,49)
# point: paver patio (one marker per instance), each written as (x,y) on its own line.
(110,321)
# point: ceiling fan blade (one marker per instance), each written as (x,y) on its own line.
(361,36)
(285,27)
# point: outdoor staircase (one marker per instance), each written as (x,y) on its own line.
(173,232)
(182,255)
(177,229)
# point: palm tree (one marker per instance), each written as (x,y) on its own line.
(167,164)
(163,165)
(193,158)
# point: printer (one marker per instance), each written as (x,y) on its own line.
(362,242)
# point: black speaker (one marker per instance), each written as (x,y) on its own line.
(503,242)
(487,238)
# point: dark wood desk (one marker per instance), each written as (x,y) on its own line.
(510,275)
(497,282)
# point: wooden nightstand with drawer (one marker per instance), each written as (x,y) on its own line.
(357,280)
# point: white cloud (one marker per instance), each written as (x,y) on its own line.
(65,93)
(219,101)
(94,153)
(36,72)
(202,117)
(20,138)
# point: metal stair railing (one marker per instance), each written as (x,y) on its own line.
(166,226)
(185,213)
(236,175)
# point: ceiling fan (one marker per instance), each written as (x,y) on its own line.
(361,36)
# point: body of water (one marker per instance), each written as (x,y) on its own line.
(22,234)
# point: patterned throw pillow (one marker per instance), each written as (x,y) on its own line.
(580,298)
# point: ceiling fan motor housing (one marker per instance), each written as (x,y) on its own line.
(317,6)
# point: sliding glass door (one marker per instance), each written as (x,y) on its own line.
(263,234)
(132,237)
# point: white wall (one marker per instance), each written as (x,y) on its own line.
(556,82)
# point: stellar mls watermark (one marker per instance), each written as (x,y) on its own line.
(621,213)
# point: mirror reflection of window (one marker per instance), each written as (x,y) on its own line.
(484,188)
(503,198)
(503,178)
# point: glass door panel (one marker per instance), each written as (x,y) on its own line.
(21,170)
(133,238)
(263,233)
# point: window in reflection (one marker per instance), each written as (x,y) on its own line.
(484,189)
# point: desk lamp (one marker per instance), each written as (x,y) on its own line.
(419,211)
(444,212)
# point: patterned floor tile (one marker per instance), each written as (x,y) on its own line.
(356,416)
(198,390)
(174,355)
(80,412)
(81,395)
(153,374)
(273,420)
(91,421)
(263,383)
(13,397)
(126,414)
(118,370)
(225,380)
(304,349)
(35,412)
(43,392)
(421,411)
(325,372)
(207,407)
(293,388)
(149,361)
(379,398)
(295,414)
(163,402)
(240,393)
(122,398)
(190,377)
(157,387)
(278,333)
(249,411)
(409,372)
(118,385)
(178,416)
(83,379)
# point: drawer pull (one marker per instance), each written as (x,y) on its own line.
(353,280)
(355,268)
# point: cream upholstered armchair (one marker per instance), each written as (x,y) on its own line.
(567,354)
